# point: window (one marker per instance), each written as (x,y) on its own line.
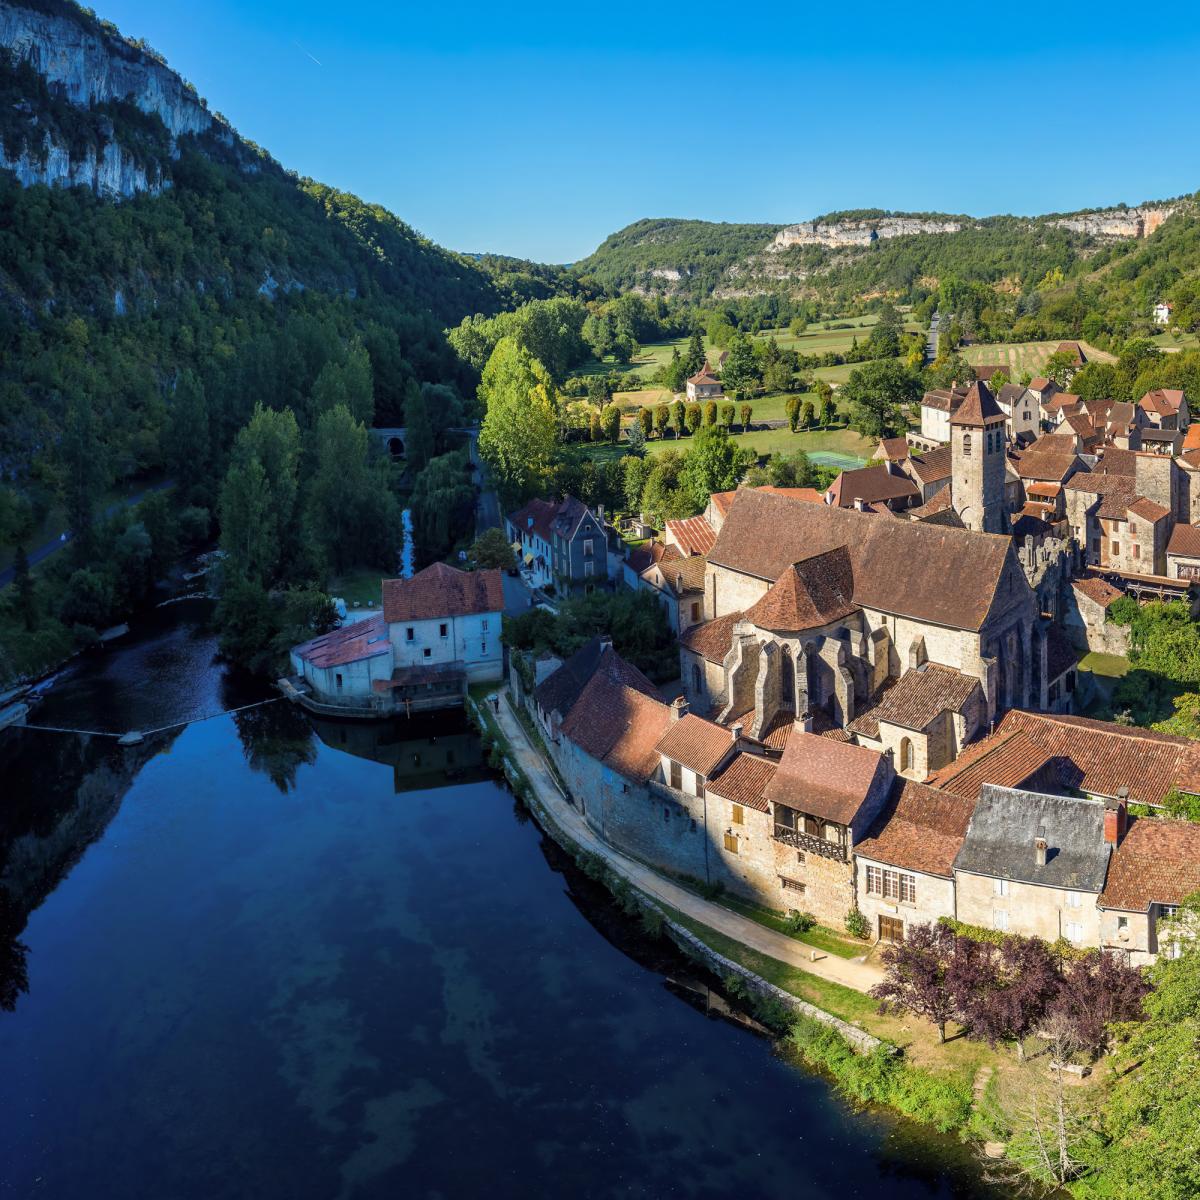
(338,681)
(731,842)
(676,776)
(695,610)
(906,755)
(999,887)
(1122,924)
(443,630)
(1116,547)
(589,569)
(409,634)
(483,647)
(966,445)
(1074,899)
(1074,931)
(999,918)
(428,652)
(791,885)
(483,625)
(739,815)
(799,856)
(1137,551)
(892,885)
(587,547)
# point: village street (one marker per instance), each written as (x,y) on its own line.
(850,973)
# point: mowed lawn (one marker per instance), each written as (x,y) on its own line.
(839,448)
(1018,357)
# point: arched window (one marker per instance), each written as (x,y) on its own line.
(966,444)
(697,681)
(906,755)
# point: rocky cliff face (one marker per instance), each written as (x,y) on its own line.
(857,233)
(1118,223)
(86,65)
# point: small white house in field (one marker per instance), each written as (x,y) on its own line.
(438,632)
(1162,313)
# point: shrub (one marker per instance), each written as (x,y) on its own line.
(799,922)
(857,924)
(1122,611)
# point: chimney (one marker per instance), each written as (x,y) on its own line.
(679,708)
(1116,817)
(1039,847)
(859,505)
(735,731)
(679,582)
(605,643)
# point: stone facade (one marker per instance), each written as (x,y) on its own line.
(930,897)
(1028,909)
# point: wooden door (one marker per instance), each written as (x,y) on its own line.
(891,929)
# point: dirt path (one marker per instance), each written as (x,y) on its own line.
(857,975)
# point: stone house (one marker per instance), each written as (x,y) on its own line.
(1034,864)
(693,535)
(1165,408)
(1154,868)
(1022,412)
(904,867)
(885,486)
(1085,617)
(1183,553)
(704,385)
(930,471)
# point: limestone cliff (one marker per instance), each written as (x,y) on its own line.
(836,234)
(1114,224)
(88,65)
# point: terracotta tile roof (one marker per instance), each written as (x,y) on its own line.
(350,643)
(1098,590)
(939,502)
(1098,757)
(871,484)
(917,699)
(721,501)
(1191,457)
(1100,483)
(1117,461)
(442,591)
(680,574)
(921,829)
(617,717)
(932,465)
(944,399)
(1041,383)
(1081,423)
(1062,401)
(1163,401)
(1044,488)
(711,639)
(960,572)
(894,449)
(560,689)
(536,517)
(1052,457)
(809,594)
(811,495)
(744,780)
(1114,506)
(695,743)
(1075,349)
(1191,439)
(1148,510)
(704,375)
(985,371)
(979,409)
(639,558)
(693,535)
(1157,862)
(1185,539)
(825,778)
(776,733)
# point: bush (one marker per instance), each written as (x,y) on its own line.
(857,925)
(799,922)
(1123,611)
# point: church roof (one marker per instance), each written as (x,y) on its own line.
(979,408)
(808,594)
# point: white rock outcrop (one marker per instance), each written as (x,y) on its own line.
(1118,223)
(857,233)
(112,173)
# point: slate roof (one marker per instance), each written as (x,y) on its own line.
(916,699)
(570,513)
(1157,862)
(1076,753)
(1185,539)
(999,839)
(825,778)
(560,689)
(351,643)
(960,571)
(711,639)
(920,829)
(808,594)
(695,743)
(693,535)
(442,591)
(871,484)
(744,780)
(1011,394)
(979,409)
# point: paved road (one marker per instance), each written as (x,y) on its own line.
(487,512)
(849,972)
(65,537)
(931,343)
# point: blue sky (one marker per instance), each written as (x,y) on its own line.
(538,129)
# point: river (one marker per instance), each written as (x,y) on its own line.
(265,956)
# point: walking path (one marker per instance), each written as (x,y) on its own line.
(857,975)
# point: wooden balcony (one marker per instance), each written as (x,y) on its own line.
(810,844)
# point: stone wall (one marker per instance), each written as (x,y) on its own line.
(934,898)
(1033,910)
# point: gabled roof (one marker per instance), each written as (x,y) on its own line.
(694,535)
(442,591)
(711,639)
(744,780)
(931,465)
(1185,539)
(828,779)
(985,371)
(1148,510)
(1075,349)
(921,829)
(705,375)
(893,449)
(1052,457)
(871,484)
(1011,394)
(944,399)
(1191,438)
(960,572)
(1098,590)
(351,643)
(1043,385)
(695,743)
(1163,401)
(979,409)
(808,594)
(1157,862)
(536,516)
(559,690)
(681,575)
(570,513)
(917,699)
(1000,839)
(1076,753)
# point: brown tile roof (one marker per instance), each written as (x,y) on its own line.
(693,535)
(1041,383)
(979,409)
(1081,424)
(1098,590)
(932,465)
(1100,483)
(1075,349)
(536,517)
(921,829)
(617,718)
(1114,506)
(960,571)
(721,501)
(1064,401)
(1191,439)
(1119,417)
(442,591)
(944,399)
(704,375)
(1164,401)
(916,699)
(1185,539)
(1148,510)
(825,778)
(985,371)
(809,594)
(744,780)
(1098,757)
(697,744)
(350,643)
(894,449)
(811,495)
(1117,461)
(1052,457)
(1157,862)
(871,484)
(681,574)
(1191,457)
(941,501)
(711,639)
(1010,393)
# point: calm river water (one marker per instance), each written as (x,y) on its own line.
(269,957)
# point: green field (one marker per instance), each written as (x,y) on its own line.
(840,448)
(1018,357)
